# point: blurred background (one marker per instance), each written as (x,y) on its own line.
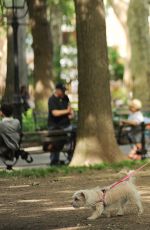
(47,53)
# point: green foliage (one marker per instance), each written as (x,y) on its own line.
(43,172)
(67,14)
(57,65)
(33,121)
(28,121)
(116,66)
(66,6)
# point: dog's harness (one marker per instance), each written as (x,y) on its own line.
(102,200)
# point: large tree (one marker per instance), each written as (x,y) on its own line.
(120,9)
(22,66)
(22,33)
(59,9)
(140,48)
(9,90)
(42,46)
(56,17)
(96,140)
(133,16)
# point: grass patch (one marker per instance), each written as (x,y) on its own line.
(65,170)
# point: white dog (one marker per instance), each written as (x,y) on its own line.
(101,199)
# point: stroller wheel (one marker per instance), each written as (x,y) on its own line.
(9,167)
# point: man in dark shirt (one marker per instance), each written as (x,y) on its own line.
(59,115)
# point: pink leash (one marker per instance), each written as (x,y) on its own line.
(128,176)
(120,181)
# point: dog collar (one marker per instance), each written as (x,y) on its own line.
(102,200)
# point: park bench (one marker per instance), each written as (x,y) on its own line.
(61,140)
(64,139)
(42,137)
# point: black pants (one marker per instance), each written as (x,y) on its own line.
(58,146)
(54,156)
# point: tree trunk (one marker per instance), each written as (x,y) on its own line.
(23,73)
(140,48)
(9,90)
(120,9)
(3,58)
(96,140)
(42,45)
(56,23)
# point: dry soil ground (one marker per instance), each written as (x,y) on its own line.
(44,203)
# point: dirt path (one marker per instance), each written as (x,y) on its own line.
(44,203)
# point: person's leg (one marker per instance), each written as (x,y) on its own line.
(71,143)
(134,153)
(54,158)
(55,154)
(52,147)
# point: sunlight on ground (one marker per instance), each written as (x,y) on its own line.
(65,192)
(19,186)
(144,192)
(62,209)
(72,228)
(146,199)
(34,201)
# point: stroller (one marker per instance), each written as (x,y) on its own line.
(9,157)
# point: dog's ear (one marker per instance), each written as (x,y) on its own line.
(83,195)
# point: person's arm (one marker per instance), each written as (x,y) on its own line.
(129,122)
(71,114)
(59,113)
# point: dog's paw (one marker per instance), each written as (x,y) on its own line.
(91,218)
(120,213)
(140,212)
(108,215)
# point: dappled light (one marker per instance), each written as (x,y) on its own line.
(73,228)
(60,209)
(101,12)
(74,114)
(39,87)
(87,145)
(32,201)
(49,204)
(19,186)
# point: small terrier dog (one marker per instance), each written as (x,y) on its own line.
(100,200)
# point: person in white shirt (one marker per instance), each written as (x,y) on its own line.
(135,118)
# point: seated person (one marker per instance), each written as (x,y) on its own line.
(135,118)
(60,113)
(9,131)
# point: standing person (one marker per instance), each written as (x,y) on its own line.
(59,116)
(25,98)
